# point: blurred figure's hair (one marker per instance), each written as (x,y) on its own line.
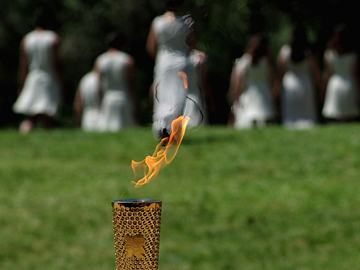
(115,40)
(299,43)
(342,40)
(173,5)
(258,47)
(44,17)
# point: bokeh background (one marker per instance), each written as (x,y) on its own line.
(271,198)
(223,27)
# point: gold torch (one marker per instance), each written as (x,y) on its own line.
(136,224)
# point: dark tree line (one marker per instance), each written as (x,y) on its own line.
(223,27)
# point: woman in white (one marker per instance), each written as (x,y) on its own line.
(299,78)
(199,60)
(341,74)
(167,44)
(116,69)
(87,101)
(40,73)
(250,87)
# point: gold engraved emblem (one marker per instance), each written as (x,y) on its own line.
(135,246)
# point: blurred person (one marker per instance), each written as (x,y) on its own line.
(119,102)
(251,86)
(87,101)
(40,74)
(341,101)
(300,80)
(168,44)
(200,60)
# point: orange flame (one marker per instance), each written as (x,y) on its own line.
(164,153)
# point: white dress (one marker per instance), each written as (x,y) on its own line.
(341,97)
(116,110)
(41,91)
(171,98)
(255,104)
(298,95)
(89,91)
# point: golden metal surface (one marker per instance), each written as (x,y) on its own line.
(136,224)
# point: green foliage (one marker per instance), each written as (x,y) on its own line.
(257,199)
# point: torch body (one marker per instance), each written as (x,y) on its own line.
(136,226)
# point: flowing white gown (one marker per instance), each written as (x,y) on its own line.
(171,97)
(341,97)
(41,91)
(255,104)
(116,110)
(89,91)
(298,95)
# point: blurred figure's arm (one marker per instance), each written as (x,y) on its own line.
(97,71)
(278,82)
(58,66)
(23,66)
(151,44)
(326,76)
(237,82)
(281,71)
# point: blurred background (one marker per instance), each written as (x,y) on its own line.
(223,27)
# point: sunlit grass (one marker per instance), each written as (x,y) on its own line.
(257,199)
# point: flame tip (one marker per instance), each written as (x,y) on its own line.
(163,154)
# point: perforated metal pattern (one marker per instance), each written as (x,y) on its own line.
(136,225)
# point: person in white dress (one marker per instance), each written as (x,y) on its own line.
(119,102)
(173,95)
(341,102)
(199,60)
(251,87)
(299,77)
(87,101)
(40,73)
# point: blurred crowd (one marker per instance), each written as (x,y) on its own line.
(297,95)
(290,89)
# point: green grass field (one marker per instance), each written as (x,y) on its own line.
(271,199)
